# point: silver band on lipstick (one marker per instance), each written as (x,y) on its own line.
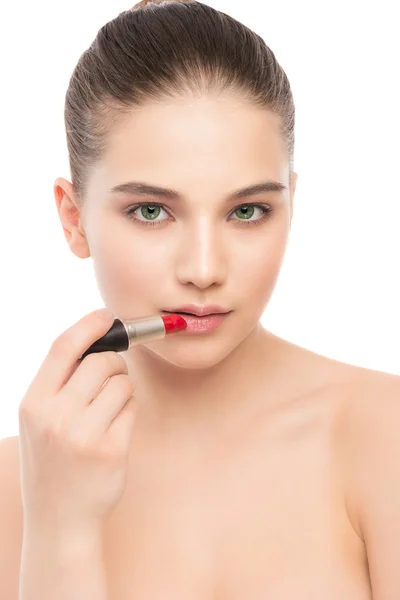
(144,329)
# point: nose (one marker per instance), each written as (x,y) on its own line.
(202,256)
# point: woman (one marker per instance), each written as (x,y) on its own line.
(223,464)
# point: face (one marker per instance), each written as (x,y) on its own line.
(204,246)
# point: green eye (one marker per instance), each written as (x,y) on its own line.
(247,210)
(150,212)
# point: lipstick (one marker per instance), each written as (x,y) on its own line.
(124,334)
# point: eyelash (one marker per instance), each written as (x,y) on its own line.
(267,210)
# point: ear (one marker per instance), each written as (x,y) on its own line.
(70,217)
(292,192)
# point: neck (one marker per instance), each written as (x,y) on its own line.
(208,399)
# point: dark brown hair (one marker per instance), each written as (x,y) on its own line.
(166,49)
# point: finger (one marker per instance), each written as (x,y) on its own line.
(89,379)
(99,415)
(62,358)
(121,427)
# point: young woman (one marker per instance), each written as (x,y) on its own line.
(221,462)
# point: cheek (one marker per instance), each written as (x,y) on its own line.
(129,266)
(125,267)
(261,263)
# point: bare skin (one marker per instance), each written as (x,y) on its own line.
(258,513)
(236,484)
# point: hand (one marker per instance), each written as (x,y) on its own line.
(75,424)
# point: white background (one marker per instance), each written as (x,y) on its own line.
(338,293)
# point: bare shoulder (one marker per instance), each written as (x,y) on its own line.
(11,518)
(371,400)
(368,426)
(364,401)
(353,388)
(370,445)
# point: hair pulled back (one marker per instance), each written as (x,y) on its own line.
(162,50)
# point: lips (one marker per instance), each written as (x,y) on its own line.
(197,309)
(188,313)
(202,324)
(180,312)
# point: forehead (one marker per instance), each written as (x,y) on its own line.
(188,139)
(195,125)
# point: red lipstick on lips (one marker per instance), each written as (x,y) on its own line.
(200,311)
(174,323)
(124,334)
(203,319)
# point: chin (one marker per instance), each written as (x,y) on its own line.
(186,357)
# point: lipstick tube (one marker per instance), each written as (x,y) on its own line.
(124,334)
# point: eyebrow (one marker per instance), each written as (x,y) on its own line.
(145,189)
